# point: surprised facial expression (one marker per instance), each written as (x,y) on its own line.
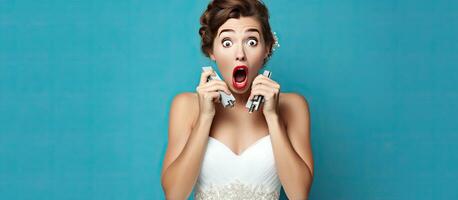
(239,51)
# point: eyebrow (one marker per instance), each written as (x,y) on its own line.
(231,30)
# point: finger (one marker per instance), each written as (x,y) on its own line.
(263,90)
(209,83)
(204,76)
(266,81)
(215,84)
(216,88)
(211,96)
(260,92)
(261,79)
(266,87)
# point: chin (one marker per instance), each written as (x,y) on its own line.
(240,90)
(236,91)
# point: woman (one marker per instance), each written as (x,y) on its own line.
(229,153)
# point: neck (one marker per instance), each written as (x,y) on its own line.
(239,111)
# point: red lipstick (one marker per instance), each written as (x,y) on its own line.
(240,77)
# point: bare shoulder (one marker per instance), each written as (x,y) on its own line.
(185,106)
(293,107)
(181,116)
(293,98)
(294,110)
(184,98)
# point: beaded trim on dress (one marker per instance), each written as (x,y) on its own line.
(236,190)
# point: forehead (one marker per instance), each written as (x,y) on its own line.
(240,24)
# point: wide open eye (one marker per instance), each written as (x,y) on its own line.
(252,42)
(227,43)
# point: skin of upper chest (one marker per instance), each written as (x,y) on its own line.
(240,131)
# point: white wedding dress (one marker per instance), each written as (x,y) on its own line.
(250,175)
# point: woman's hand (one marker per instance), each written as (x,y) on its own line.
(208,93)
(262,85)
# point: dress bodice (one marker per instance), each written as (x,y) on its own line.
(226,175)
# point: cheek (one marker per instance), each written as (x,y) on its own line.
(256,63)
(222,53)
(221,56)
(224,62)
(255,58)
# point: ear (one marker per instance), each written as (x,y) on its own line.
(212,56)
(266,54)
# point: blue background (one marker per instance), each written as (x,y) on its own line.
(85,89)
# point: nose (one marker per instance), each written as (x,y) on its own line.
(240,54)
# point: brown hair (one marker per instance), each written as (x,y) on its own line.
(219,11)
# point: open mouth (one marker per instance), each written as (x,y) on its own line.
(239,76)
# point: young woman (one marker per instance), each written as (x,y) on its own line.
(229,153)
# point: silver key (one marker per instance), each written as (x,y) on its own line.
(254,104)
(226,99)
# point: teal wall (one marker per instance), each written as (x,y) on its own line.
(85,89)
